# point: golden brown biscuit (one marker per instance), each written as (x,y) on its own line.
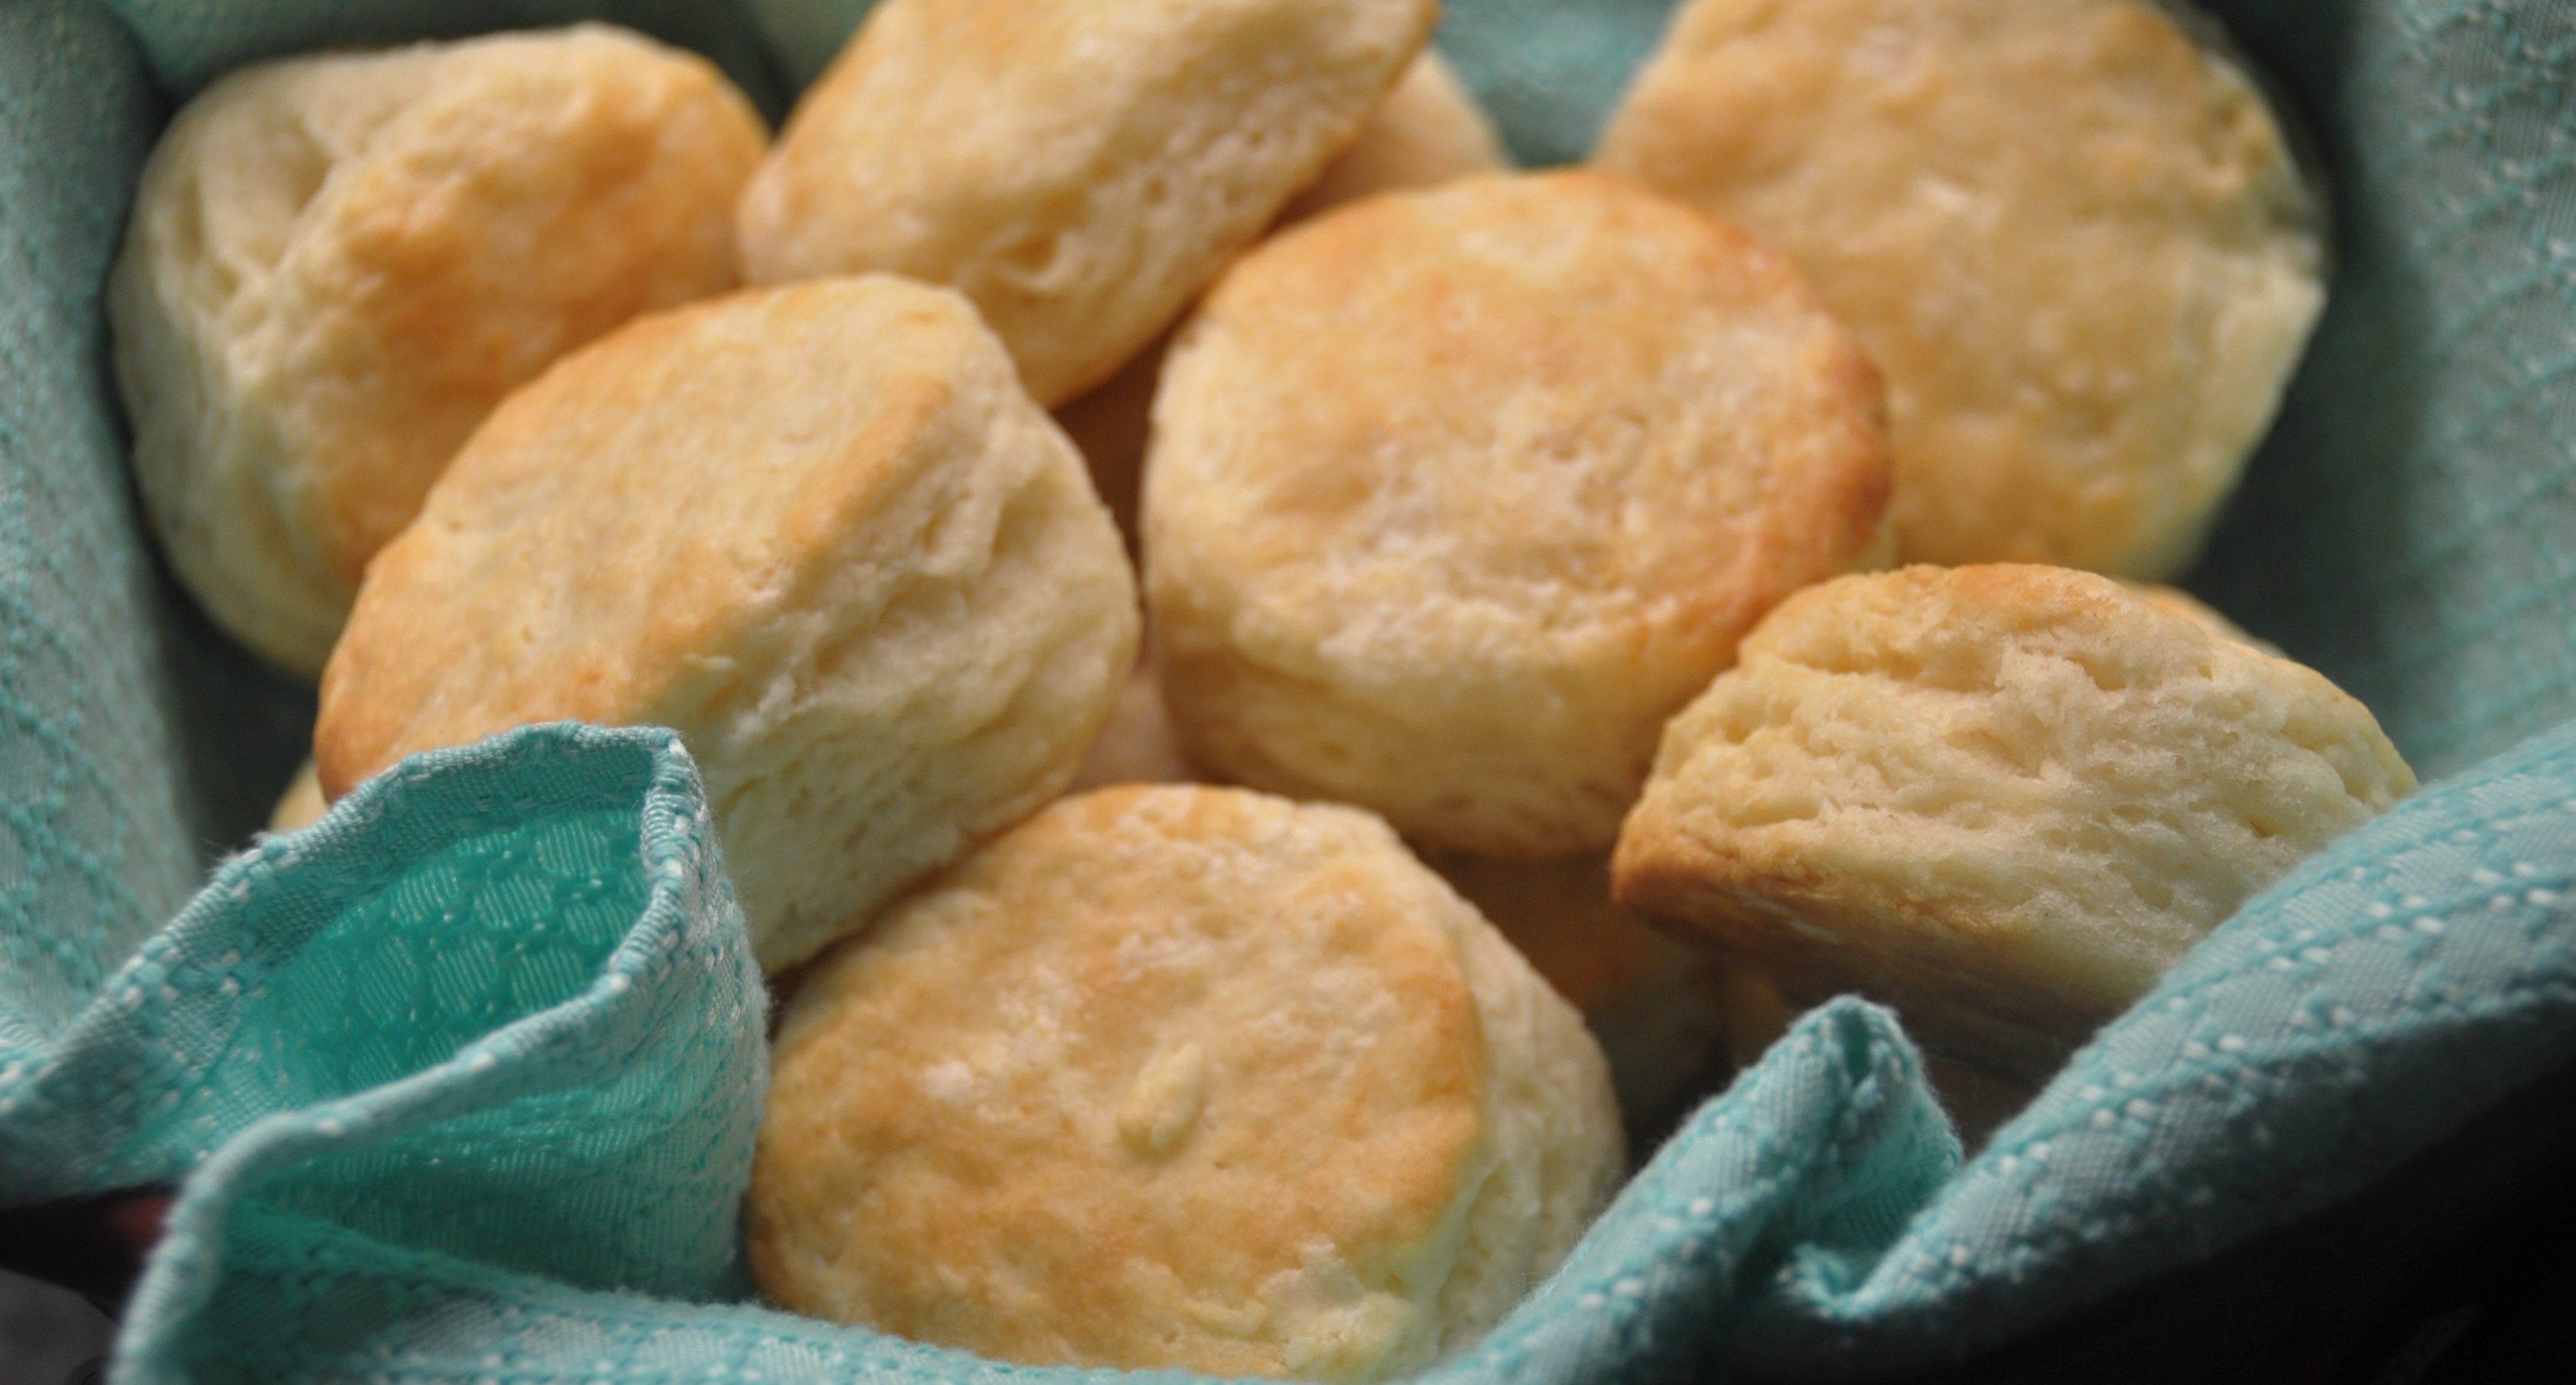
(1180,1076)
(2072,238)
(1665,1014)
(1426,132)
(337,265)
(1079,170)
(821,532)
(2002,799)
(1455,496)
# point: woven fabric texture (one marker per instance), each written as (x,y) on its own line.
(460,1083)
(2410,526)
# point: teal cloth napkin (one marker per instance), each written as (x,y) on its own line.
(460,1083)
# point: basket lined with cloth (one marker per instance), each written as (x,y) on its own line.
(462,1083)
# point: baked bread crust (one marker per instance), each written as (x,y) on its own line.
(1180,1076)
(1455,496)
(338,265)
(2003,799)
(1426,132)
(2074,239)
(1079,170)
(821,532)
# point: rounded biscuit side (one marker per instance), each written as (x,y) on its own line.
(819,530)
(2001,798)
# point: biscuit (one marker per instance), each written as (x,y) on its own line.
(1455,496)
(2002,799)
(337,265)
(1666,1016)
(1079,170)
(821,532)
(2074,239)
(302,805)
(1426,132)
(1180,1077)
(2176,601)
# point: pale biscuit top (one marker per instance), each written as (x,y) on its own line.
(1079,170)
(337,265)
(1180,1076)
(2004,798)
(821,532)
(1455,496)
(1426,132)
(2073,239)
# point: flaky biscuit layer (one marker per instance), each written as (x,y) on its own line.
(2002,798)
(338,265)
(822,532)
(1079,170)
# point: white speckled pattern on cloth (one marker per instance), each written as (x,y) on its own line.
(409,1155)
